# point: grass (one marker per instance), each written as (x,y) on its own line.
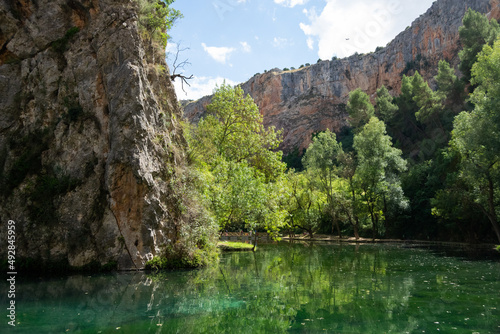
(234,246)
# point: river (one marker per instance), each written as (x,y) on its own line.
(296,288)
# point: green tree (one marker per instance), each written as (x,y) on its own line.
(476,136)
(234,130)
(306,203)
(476,31)
(451,91)
(323,158)
(156,18)
(428,102)
(379,164)
(384,106)
(360,108)
(246,186)
(446,79)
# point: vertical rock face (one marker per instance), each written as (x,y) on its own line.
(313,98)
(89,143)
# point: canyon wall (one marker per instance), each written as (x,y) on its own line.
(90,149)
(314,98)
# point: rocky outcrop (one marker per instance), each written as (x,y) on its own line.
(90,148)
(313,98)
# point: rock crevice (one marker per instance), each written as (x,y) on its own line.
(85,149)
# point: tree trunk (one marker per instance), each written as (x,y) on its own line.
(374,223)
(356,219)
(491,207)
(356,229)
(336,223)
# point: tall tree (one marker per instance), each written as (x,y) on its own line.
(384,104)
(446,79)
(451,91)
(428,102)
(235,153)
(306,202)
(377,173)
(234,130)
(323,158)
(476,31)
(360,108)
(476,136)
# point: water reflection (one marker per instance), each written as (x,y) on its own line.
(297,288)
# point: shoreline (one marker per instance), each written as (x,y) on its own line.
(352,240)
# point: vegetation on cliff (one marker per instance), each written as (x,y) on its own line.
(416,166)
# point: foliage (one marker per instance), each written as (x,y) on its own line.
(358,181)
(293,160)
(245,186)
(234,246)
(234,130)
(377,172)
(156,18)
(428,102)
(476,31)
(476,136)
(306,203)
(359,108)
(323,158)
(446,79)
(385,107)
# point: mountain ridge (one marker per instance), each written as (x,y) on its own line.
(313,98)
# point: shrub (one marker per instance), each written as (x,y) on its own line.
(156,18)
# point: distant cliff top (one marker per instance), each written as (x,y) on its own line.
(313,98)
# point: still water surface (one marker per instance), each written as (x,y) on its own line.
(297,288)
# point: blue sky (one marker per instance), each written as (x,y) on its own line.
(234,39)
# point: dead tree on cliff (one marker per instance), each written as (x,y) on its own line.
(181,65)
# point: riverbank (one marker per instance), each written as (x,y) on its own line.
(416,243)
(227,246)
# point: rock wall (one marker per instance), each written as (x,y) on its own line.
(313,98)
(89,142)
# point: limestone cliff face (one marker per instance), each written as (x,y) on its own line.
(89,142)
(313,98)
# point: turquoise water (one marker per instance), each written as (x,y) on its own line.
(282,288)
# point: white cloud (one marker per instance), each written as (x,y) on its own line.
(310,43)
(280,42)
(199,87)
(290,3)
(343,28)
(219,54)
(171,47)
(246,47)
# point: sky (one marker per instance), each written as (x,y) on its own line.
(232,40)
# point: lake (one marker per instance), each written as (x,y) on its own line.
(296,288)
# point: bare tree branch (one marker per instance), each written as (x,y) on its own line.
(176,65)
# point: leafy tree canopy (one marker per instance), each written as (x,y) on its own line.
(476,31)
(360,108)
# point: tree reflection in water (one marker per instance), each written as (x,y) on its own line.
(281,288)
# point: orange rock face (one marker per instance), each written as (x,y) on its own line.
(313,98)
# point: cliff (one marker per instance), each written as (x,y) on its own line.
(92,158)
(313,98)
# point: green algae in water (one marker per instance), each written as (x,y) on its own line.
(281,288)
